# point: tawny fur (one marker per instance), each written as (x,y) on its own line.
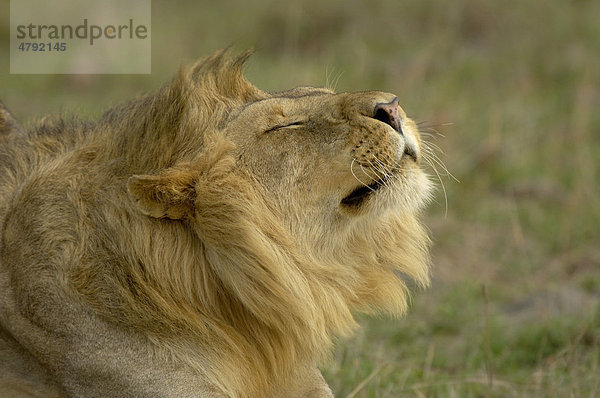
(188,222)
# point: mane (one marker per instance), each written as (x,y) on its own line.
(234,293)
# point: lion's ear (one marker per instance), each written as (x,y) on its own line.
(167,195)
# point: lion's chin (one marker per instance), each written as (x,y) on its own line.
(358,196)
(409,190)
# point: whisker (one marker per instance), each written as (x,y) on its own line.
(337,80)
(376,170)
(431,145)
(427,159)
(380,167)
(432,132)
(383,169)
(430,148)
(430,152)
(331,83)
(431,126)
(440,163)
(396,163)
(354,175)
(369,175)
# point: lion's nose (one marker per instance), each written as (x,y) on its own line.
(388,113)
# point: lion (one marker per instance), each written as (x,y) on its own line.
(208,239)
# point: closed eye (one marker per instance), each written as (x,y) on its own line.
(287,125)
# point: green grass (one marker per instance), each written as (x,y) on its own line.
(514,89)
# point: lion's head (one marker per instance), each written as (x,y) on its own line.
(259,221)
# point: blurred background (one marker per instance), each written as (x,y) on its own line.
(509,95)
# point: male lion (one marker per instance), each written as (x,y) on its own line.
(206,240)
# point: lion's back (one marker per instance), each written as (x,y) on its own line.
(24,155)
(20,374)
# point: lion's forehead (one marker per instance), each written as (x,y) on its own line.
(303,91)
(281,106)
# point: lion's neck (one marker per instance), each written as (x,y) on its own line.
(258,306)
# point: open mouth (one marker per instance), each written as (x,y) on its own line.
(359,195)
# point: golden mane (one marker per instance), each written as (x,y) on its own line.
(239,297)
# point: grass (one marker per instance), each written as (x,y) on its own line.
(514,90)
